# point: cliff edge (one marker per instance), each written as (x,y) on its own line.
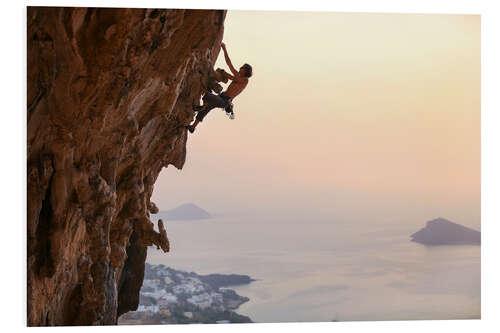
(109,92)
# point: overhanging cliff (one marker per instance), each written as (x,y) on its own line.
(109,92)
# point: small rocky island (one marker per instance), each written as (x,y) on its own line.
(443,232)
(187,211)
(170,296)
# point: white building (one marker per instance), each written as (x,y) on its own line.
(179,289)
(152,308)
(155,294)
(149,283)
(183,288)
(202,300)
(168,299)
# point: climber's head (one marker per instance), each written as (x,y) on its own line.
(246,70)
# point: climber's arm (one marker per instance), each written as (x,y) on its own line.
(228,61)
(229,76)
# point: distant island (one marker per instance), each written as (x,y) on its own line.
(170,296)
(187,211)
(443,232)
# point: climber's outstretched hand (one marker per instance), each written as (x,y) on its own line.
(228,61)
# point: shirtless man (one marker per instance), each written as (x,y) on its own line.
(224,100)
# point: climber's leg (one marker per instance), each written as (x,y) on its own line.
(192,127)
(199,117)
(210,101)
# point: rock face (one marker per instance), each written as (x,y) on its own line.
(443,232)
(109,92)
(188,211)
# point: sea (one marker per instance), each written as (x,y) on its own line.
(327,269)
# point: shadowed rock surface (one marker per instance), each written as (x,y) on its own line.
(109,92)
(187,211)
(443,232)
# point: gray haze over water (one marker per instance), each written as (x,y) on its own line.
(360,127)
(323,269)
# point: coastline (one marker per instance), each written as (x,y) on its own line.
(170,296)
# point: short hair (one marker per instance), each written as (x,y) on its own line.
(248,70)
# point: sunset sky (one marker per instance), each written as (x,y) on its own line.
(347,115)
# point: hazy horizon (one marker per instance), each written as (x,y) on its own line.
(355,130)
(355,116)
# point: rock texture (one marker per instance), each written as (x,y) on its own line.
(109,92)
(443,232)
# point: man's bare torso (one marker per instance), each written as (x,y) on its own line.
(236,86)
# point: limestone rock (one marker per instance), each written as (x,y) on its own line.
(109,92)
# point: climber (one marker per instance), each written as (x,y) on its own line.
(223,100)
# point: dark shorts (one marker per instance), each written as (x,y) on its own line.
(211,101)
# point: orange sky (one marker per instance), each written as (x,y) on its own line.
(349,114)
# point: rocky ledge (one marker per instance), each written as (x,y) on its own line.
(109,92)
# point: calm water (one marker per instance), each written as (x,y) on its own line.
(323,270)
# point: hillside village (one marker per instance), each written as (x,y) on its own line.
(170,296)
